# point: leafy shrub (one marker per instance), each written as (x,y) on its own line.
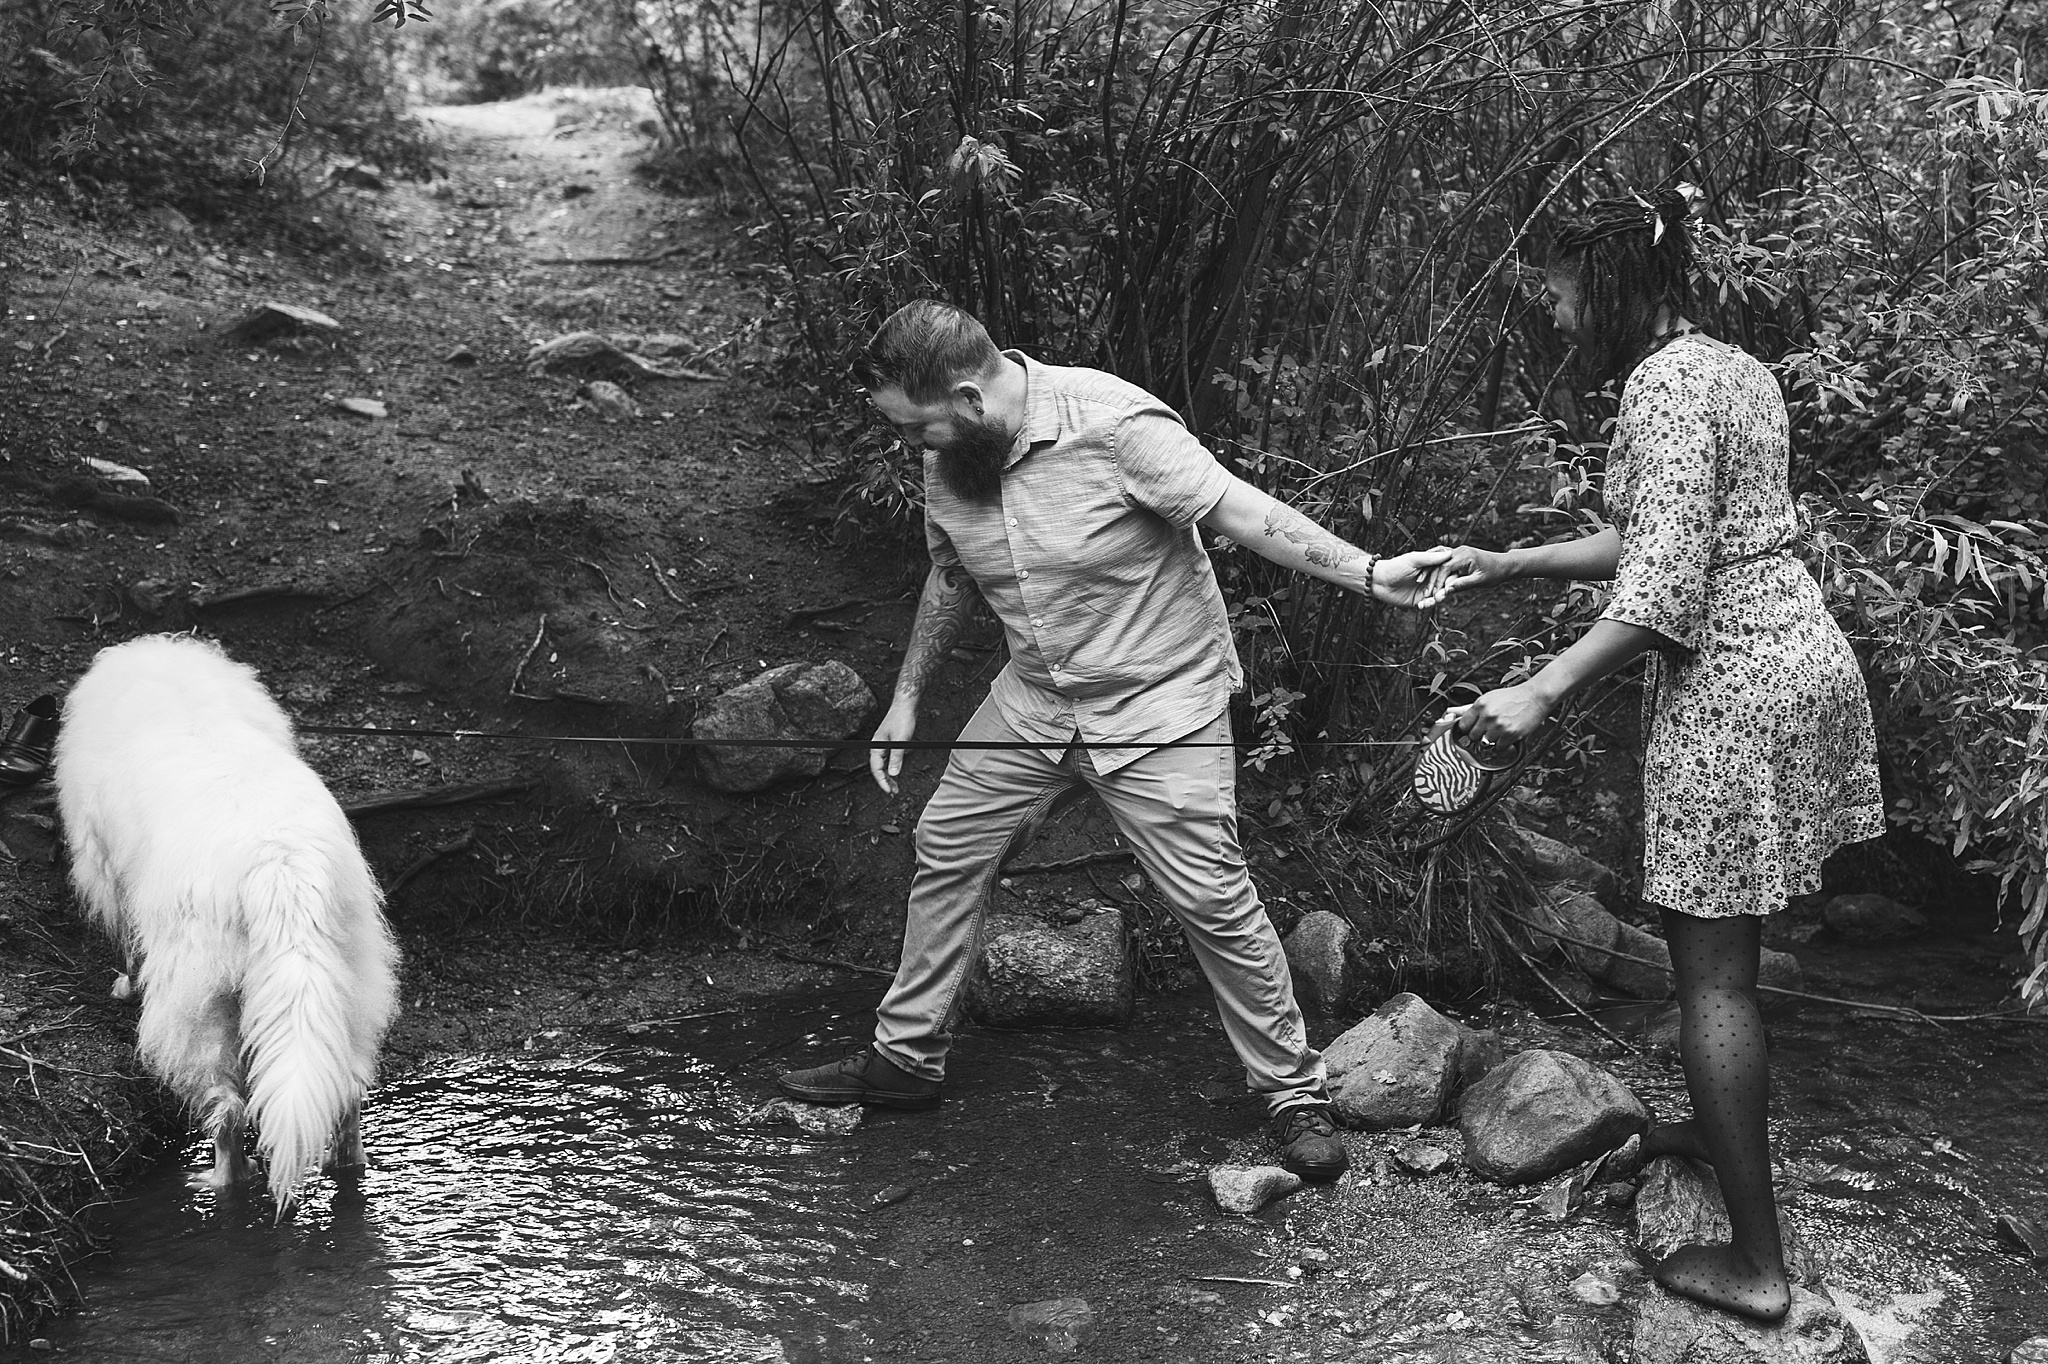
(206,107)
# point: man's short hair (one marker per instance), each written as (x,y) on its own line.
(924,349)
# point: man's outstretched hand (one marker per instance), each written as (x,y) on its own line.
(1408,579)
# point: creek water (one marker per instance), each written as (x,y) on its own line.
(606,1199)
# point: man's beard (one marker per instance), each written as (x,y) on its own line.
(972,467)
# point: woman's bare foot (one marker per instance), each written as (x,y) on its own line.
(1718,1277)
(1676,1139)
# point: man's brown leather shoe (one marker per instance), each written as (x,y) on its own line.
(865,1077)
(25,752)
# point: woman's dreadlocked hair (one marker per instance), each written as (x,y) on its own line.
(1628,257)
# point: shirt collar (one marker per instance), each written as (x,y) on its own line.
(1041,412)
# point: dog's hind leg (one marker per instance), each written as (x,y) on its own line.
(347,1155)
(220,1098)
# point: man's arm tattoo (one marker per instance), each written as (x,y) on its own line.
(1318,546)
(942,613)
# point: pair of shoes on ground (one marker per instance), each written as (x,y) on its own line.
(1308,1141)
(25,752)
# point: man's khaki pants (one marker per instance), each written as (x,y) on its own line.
(1177,808)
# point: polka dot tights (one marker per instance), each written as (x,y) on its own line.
(1721,1042)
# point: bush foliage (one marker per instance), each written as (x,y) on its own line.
(1306,225)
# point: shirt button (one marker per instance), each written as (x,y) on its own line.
(1023,573)
(1036,623)
(1013,520)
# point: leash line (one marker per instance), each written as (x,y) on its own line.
(835,745)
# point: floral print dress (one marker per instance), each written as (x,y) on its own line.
(1759,758)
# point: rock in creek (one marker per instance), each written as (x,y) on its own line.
(820,1120)
(1319,959)
(283,319)
(1675,1330)
(1034,975)
(1618,954)
(2033,1351)
(1872,916)
(1396,1068)
(1679,1204)
(1780,971)
(1547,859)
(795,701)
(1247,1188)
(1543,1112)
(1061,1325)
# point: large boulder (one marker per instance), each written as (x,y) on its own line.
(1396,1068)
(1319,959)
(1780,971)
(1675,1330)
(1867,917)
(1033,975)
(1549,861)
(795,701)
(1612,952)
(1542,1112)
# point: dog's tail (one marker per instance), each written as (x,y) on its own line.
(319,986)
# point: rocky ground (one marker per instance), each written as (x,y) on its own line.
(404,527)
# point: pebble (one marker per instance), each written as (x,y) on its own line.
(1061,1325)
(1422,1158)
(1591,1288)
(2034,1351)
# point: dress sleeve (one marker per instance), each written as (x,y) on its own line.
(1668,535)
(1164,469)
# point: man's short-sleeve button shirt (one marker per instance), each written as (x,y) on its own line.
(1090,558)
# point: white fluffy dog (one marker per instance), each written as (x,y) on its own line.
(203,844)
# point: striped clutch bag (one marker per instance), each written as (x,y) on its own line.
(1449,779)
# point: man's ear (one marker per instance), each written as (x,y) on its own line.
(970,392)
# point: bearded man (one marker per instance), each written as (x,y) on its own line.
(1070,502)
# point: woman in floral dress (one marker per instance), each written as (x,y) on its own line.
(1759,758)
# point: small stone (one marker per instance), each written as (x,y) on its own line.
(2027,1235)
(1422,1158)
(461,355)
(117,473)
(608,400)
(1247,1188)
(1061,1325)
(1541,1113)
(1591,1288)
(1872,917)
(356,177)
(363,407)
(820,1120)
(1780,971)
(1555,1202)
(891,1195)
(2034,1351)
(280,319)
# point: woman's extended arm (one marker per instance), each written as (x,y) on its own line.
(1590,558)
(1510,713)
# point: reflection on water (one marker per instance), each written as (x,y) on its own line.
(612,1206)
(606,1207)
